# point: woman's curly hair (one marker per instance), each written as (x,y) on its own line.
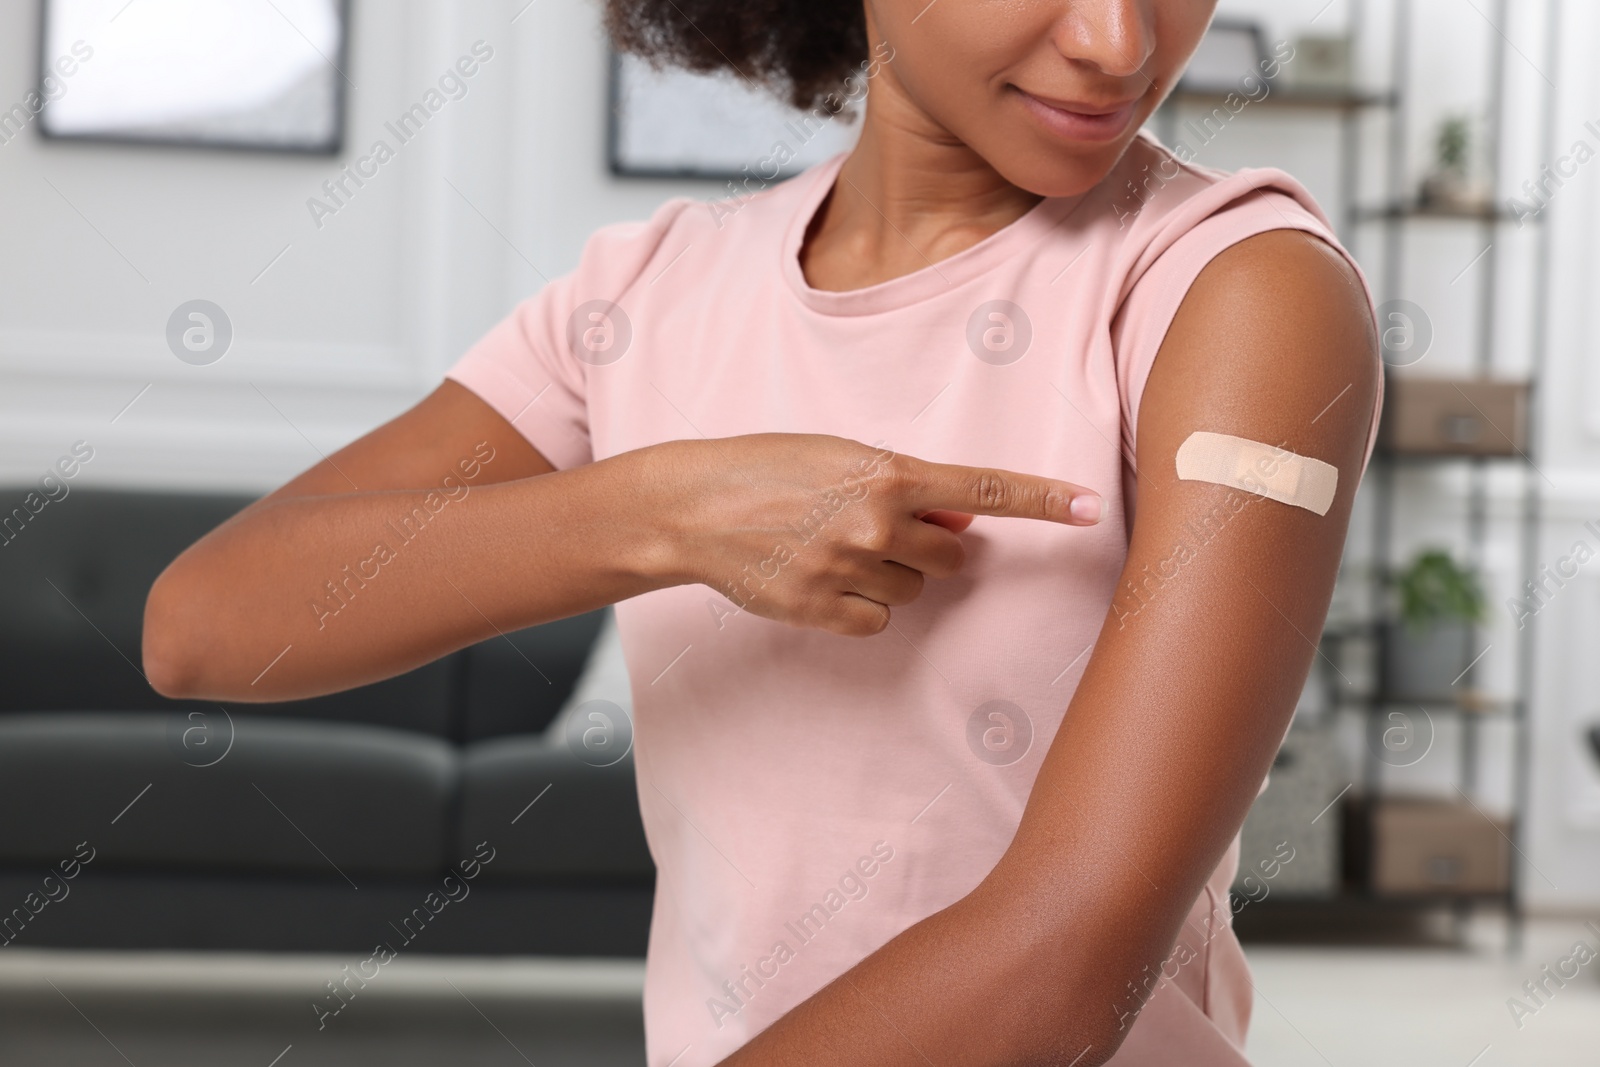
(801,49)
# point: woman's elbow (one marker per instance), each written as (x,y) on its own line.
(1070,966)
(1090,1036)
(1050,1000)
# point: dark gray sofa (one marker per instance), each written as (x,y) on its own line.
(397,812)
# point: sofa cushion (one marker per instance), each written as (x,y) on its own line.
(73,582)
(583,822)
(158,911)
(517,683)
(210,793)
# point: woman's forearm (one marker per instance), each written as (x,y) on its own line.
(319,591)
(308,595)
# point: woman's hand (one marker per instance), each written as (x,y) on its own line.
(826,532)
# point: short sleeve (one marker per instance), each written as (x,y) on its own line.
(524,369)
(1262,201)
(527,368)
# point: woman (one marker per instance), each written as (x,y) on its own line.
(942,745)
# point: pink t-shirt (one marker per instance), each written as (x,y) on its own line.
(807,796)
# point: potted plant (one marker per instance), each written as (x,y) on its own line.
(1448,186)
(1427,650)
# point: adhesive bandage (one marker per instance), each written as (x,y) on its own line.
(1263,470)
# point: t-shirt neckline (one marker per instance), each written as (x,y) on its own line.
(942,276)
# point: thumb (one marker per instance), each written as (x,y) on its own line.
(954,521)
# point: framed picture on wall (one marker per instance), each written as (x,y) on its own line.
(1231,51)
(674,124)
(240,74)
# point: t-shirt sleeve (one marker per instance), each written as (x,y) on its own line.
(1259,201)
(534,366)
(524,369)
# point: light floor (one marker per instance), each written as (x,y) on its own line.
(1408,1007)
(1318,1007)
(71,1009)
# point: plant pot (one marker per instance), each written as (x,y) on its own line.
(1424,665)
(1451,191)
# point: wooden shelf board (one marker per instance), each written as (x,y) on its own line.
(1289,97)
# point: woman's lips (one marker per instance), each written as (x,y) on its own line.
(1075,122)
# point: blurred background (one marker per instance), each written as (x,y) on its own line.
(242,233)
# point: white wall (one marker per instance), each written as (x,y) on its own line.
(359,318)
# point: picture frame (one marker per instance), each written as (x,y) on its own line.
(1231,50)
(674,124)
(293,99)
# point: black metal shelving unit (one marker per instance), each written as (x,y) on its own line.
(1395,215)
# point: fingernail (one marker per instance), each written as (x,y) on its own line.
(1087,508)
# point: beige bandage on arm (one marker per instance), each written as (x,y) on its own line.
(1260,469)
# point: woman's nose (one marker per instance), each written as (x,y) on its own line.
(1116,37)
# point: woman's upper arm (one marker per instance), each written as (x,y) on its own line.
(420,447)
(1218,610)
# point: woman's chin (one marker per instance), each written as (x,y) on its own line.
(1044,171)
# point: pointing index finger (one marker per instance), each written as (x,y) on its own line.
(990,491)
